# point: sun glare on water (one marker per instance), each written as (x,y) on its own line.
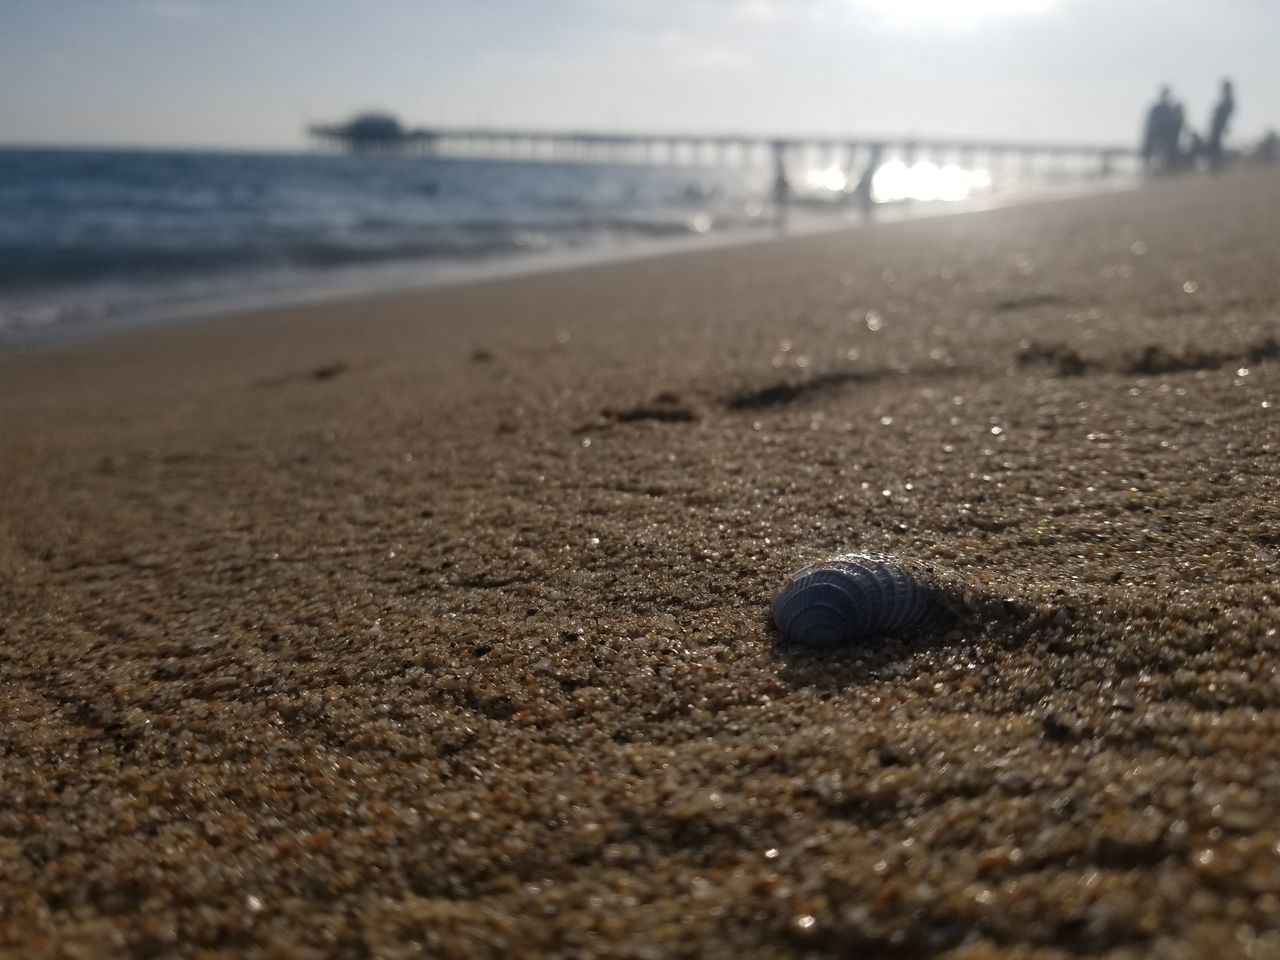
(831,178)
(926,181)
(894,181)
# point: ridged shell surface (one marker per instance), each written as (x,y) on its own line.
(848,598)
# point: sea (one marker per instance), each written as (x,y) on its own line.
(95,238)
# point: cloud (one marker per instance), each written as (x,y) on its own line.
(940,13)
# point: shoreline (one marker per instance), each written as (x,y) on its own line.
(355,282)
(436,622)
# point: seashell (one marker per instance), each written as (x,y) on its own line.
(852,597)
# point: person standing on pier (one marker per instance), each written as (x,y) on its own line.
(1218,124)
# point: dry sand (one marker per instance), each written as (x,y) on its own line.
(434,624)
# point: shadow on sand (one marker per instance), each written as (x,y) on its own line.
(976,622)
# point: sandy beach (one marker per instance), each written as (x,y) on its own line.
(436,623)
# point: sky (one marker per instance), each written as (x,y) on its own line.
(254,73)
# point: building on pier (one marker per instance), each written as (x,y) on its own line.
(371,133)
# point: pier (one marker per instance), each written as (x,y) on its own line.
(382,134)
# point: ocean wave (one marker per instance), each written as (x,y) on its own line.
(34,265)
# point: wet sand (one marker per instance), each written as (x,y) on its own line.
(435,624)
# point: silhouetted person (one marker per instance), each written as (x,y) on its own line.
(863,193)
(1175,156)
(1159,142)
(1218,124)
(781,191)
(1268,148)
(1195,149)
